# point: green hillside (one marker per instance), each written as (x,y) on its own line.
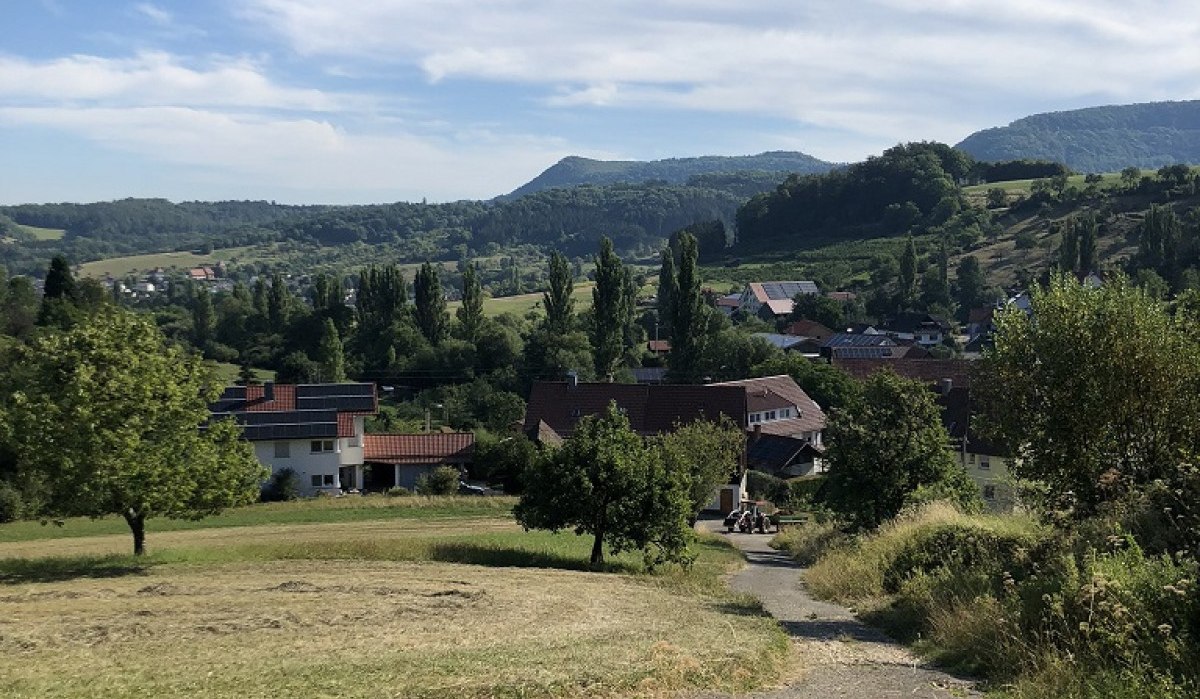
(573,170)
(1098,139)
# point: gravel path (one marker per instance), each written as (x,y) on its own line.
(843,657)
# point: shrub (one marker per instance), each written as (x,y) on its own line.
(398,491)
(283,486)
(12,505)
(1026,240)
(764,486)
(443,480)
(810,541)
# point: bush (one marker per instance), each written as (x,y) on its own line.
(12,505)
(764,486)
(283,486)
(398,491)
(443,480)
(1026,240)
(810,541)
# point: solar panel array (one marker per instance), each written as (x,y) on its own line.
(854,340)
(780,291)
(340,396)
(315,416)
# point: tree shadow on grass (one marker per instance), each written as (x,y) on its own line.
(513,557)
(742,605)
(15,571)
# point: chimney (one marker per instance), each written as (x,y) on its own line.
(947,384)
(572,379)
(268,391)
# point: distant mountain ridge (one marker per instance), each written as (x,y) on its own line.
(1098,139)
(573,170)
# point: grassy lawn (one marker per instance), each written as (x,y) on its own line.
(430,598)
(44,233)
(228,373)
(523,303)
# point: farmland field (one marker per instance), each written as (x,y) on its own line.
(44,233)
(133,264)
(456,603)
(523,303)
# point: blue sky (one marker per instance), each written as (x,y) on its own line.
(354,101)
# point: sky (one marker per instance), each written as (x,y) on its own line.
(360,101)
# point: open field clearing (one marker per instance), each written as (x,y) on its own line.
(442,605)
(44,233)
(523,303)
(133,264)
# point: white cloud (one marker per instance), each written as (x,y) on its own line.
(152,78)
(879,67)
(154,13)
(257,155)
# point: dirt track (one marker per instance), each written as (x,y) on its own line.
(844,657)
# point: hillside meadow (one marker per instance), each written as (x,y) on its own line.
(430,598)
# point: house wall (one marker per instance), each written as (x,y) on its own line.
(305,463)
(735,489)
(407,474)
(991,474)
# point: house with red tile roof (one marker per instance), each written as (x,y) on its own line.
(316,430)
(770,300)
(401,459)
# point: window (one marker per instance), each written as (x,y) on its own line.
(771,415)
(283,450)
(328,479)
(984,464)
(316,481)
(753,418)
(321,446)
(971,458)
(355,441)
(989,492)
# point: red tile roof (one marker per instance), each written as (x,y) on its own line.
(285,399)
(926,370)
(771,392)
(659,346)
(808,328)
(445,448)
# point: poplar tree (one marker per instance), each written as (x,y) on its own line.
(668,287)
(330,357)
(470,313)
(431,313)
(689,323)
(609,310)
(279,303)
(558,299)
(908,272)
(1088,230)
(204,320)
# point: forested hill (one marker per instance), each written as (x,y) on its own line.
(1098,139)
(573,170)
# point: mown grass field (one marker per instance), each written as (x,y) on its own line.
(44,233)
(228,373)
(430,598)
(134,264)
(523,303)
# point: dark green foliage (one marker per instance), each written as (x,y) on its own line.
(689,325)
(283,486)
(668,289)
(330,359)
(908,271)
(430,314)
(502,462)
(830,387)
(970,285)
(280,303)
(710,171)
(888,450)
(606,482)
(704,455)
(1017,170)
(764,486)
(60,283)
(710,239)
(442,480)
(1098,139)
(819,308)
(12,504)
(204,320)
(557,299)
(611,310)
(470,313)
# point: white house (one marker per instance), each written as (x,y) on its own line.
(317,430)
(776,296)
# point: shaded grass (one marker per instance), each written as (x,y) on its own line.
(309,511)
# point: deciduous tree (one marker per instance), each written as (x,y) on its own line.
(470,313)
(111,419)
(431,304)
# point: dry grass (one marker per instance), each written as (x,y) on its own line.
(401,607)
(366,629)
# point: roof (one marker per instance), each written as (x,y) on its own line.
(781,291)
(981,315)
(857,340)
(808,328)
(650,374)
(915,322)
(301,411)
(778,307)
(659,346)
(543,434)
(445,448)
(651,409)
(931,371)
(775,452)
(842,296)
(956,416)
(730,301)
(783,342)
(770,392)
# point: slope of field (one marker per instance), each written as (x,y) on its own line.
(427,607)
(134,264)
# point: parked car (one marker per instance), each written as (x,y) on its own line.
(465,488)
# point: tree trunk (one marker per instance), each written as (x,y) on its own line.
(137,525)
(598,549)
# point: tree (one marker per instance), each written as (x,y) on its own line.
(890,449)
(329,354)
(1097,397)
(1088,228)
(668,288)
(470,313)
(970,284)
(204,320)
(1068,251)
(818,308)
(431,304)
(503,462)
(558,300)
(705,455)
(279,303)
(605,481)
(689,325)
(60,295)
(111,419)
(610,312)
(908,271)
(829,386)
